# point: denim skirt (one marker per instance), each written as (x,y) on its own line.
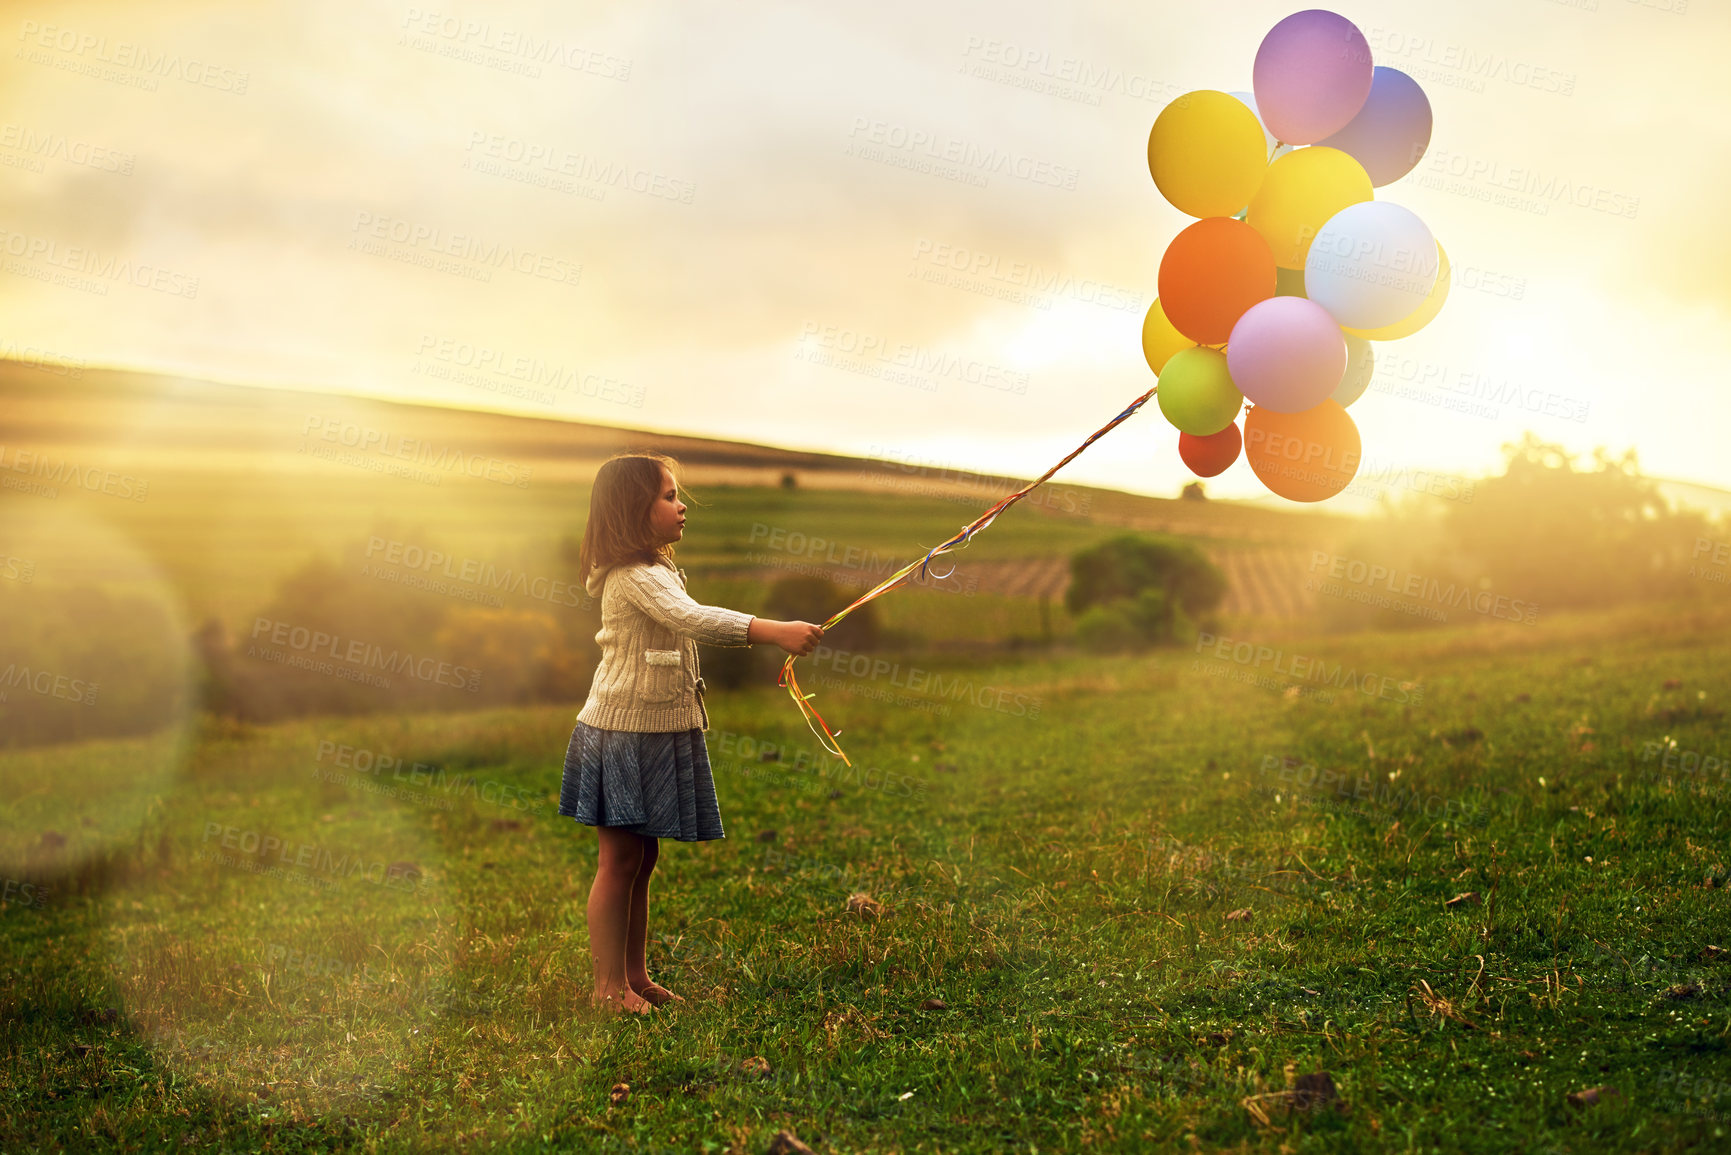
(656,785)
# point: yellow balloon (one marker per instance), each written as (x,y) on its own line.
(1419,317)
(1299,193)
(1159,339)
(1207,153)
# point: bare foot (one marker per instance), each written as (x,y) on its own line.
(656,994)
(620,1001)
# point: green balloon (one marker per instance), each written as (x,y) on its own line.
(1196,391)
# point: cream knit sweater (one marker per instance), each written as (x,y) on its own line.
(648,679)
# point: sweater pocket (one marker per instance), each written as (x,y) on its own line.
(661,675)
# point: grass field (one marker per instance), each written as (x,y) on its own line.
(1144,940)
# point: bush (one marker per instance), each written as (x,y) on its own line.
(81,662)
(396,647)
(1151,618)
(1105,629)
(1148,590)
(1124,566)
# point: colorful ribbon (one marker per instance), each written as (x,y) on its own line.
(812,718)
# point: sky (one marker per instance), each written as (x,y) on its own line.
(919,231)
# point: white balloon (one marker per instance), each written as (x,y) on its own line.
(1274,148)
(1372,264)
(1360,364)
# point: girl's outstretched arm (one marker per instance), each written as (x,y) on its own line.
(655,591)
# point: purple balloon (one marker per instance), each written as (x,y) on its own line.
(1391,131)
(1312,74)
(1286,354)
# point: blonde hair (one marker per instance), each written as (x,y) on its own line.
(618,531)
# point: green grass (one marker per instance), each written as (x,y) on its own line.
(1061,882)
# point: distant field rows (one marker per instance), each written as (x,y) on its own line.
(1261,583)
(231,502)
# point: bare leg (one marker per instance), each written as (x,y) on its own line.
(637,939)
(617,864)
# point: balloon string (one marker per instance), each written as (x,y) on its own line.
(787,681)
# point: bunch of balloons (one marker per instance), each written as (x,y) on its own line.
(1275,294)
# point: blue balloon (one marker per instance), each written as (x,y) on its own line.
(1391,131)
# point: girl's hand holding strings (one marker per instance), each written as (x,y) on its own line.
(797,638)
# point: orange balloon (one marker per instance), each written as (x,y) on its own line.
(1305,456)
(1213,271)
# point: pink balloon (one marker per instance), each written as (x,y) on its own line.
(1391,131)
(1286,354)
(1312,74)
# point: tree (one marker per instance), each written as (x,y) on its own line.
(1132,591)
(1564,536)
(1548,534)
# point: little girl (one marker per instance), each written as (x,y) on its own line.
(636,768)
